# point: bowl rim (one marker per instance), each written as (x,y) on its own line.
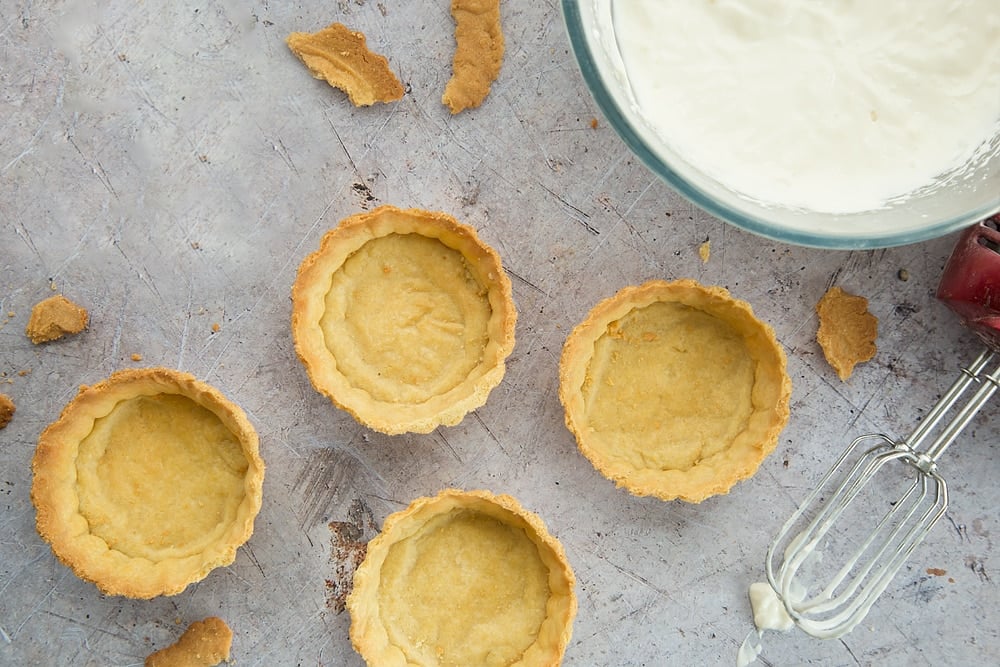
(573,23)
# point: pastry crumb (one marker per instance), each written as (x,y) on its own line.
(479,48)
(136,356)
(705,250)
(6,410)
(54,318)
(593,123)
(341,57)
(203,644)
(215,327)
(847,331)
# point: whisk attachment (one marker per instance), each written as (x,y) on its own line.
(816,530)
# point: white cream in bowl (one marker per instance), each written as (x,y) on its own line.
(835,106)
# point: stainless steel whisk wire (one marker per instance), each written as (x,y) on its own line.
(896,534)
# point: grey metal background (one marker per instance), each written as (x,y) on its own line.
(168,163)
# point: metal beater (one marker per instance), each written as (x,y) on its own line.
(970,286)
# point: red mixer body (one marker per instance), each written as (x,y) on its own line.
(970,284)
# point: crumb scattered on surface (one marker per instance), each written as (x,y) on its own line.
(340,56)
(215,327)
(6,410)
(847,331)
(705,250)
(479,47)
(203,644)
(593,123)
(54,318)
(24,372)
(936,571)
(136,356)
(903,275)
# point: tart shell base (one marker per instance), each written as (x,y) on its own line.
(462,578)
(117,516)
(674,389)
(403,318)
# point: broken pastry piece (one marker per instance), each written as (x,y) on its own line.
(340,56)
(203,644)
(54,318)
(6,410)
(479,50)
(705,251)
(847,331)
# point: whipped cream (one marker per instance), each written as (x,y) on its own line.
(827,105)
(768,611)
(768,614)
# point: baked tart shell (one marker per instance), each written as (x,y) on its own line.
(463,578)
(674,389)
(403,318)
(146,482)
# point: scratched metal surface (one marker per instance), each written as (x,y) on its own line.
(167,164)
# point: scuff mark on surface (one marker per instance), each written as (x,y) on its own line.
(978,565)
(349,545)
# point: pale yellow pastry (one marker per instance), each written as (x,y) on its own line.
(403,318)
(7,410)
(674,389)
(463,579)
(479,48)
(341,57)
(146,482)
(847,331)
(203,644)
(54,318)
(705,251)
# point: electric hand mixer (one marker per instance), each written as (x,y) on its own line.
(970,286)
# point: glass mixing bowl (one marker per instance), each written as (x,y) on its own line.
(957,200)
